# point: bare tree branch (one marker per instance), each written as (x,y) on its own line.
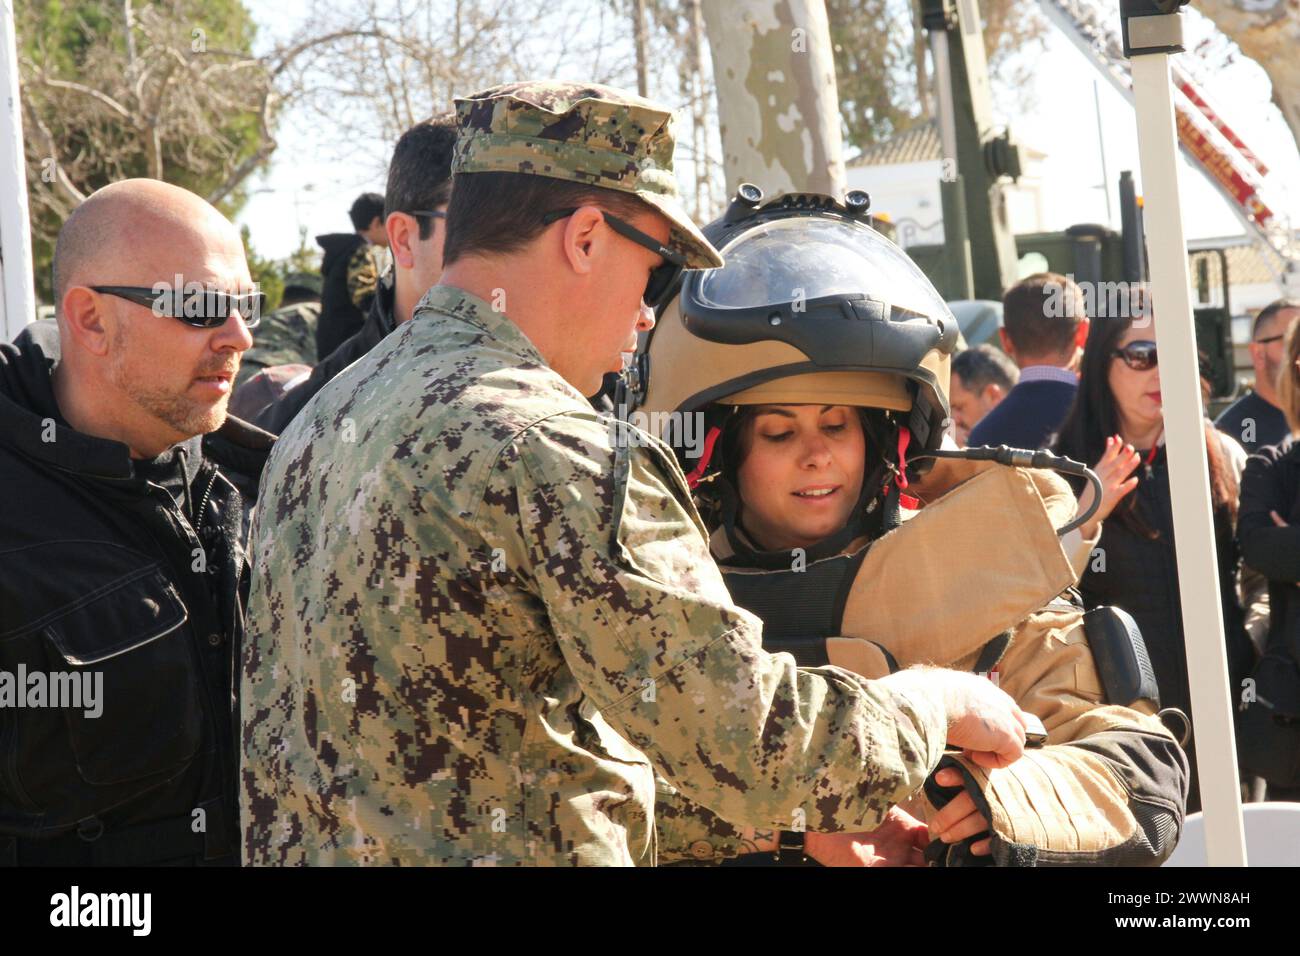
(108,101)
(60,176)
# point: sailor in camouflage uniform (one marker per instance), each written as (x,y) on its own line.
(479,622)
(286,336)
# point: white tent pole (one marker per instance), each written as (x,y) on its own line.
(18,303)
(1198,579)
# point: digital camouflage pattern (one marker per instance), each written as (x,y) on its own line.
(286,336)
(362,274)
(477,623)
(308,282)
(583,133)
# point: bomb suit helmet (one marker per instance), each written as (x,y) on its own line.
(813,306)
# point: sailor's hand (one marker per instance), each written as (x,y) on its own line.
(960,818)
(983,721)
(1114,468)
(898,841)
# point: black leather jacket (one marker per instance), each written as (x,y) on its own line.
(1140,575)
(378,324)
(339,318)
(104,572)
(1271,482)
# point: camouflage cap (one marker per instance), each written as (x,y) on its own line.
(583,133)
(305,281)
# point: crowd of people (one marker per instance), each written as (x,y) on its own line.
(1089,388)
(404,595)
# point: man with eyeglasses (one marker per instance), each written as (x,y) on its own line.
(1256,419)
(126,490)
(419,186)
(501,616)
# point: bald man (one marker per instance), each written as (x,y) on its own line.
(122,570)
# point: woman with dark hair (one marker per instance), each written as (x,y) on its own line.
(801,409)
(1119,401)
(1269,531)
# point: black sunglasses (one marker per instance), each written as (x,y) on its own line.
(203,309)
(1139,356)
(661,277)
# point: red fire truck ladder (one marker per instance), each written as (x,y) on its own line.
(1204,134)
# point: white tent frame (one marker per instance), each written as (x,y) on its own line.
(18,302)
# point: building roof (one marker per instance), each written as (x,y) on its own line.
(920,144)
(916,145)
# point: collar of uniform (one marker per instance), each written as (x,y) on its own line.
(383,305)
(457,303)
(1048,373)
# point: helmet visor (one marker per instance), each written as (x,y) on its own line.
(801,258)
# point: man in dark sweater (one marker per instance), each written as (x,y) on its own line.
(419,187)
(122,560)
(1256,419)
(1044,328)
(349,273)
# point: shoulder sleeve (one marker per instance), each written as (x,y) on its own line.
(363,273)
(1273,551)
(645,623)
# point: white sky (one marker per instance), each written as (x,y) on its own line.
(307,187)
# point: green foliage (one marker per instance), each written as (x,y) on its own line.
(204,132)
(267,273)
(872,43)
(876,51)
(305,258)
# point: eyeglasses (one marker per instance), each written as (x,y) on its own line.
(430,213)
(201,308)
(1271,338)
(662,276)
(1139,356)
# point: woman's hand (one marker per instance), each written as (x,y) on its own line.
(1114,467)
(960,818)
(898,841)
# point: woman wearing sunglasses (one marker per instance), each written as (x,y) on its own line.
(1269,532)
(1119,407)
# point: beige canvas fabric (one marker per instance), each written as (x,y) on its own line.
(966,568)
(861,657)
(1058,799)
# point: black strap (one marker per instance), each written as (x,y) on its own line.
(992,653)
(143,844)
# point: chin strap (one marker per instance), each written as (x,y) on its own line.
(697,473)
(904,439)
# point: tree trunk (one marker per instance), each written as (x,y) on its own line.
(638,43)
(778,106)
(918,58)
(699,114)
(1268,31)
